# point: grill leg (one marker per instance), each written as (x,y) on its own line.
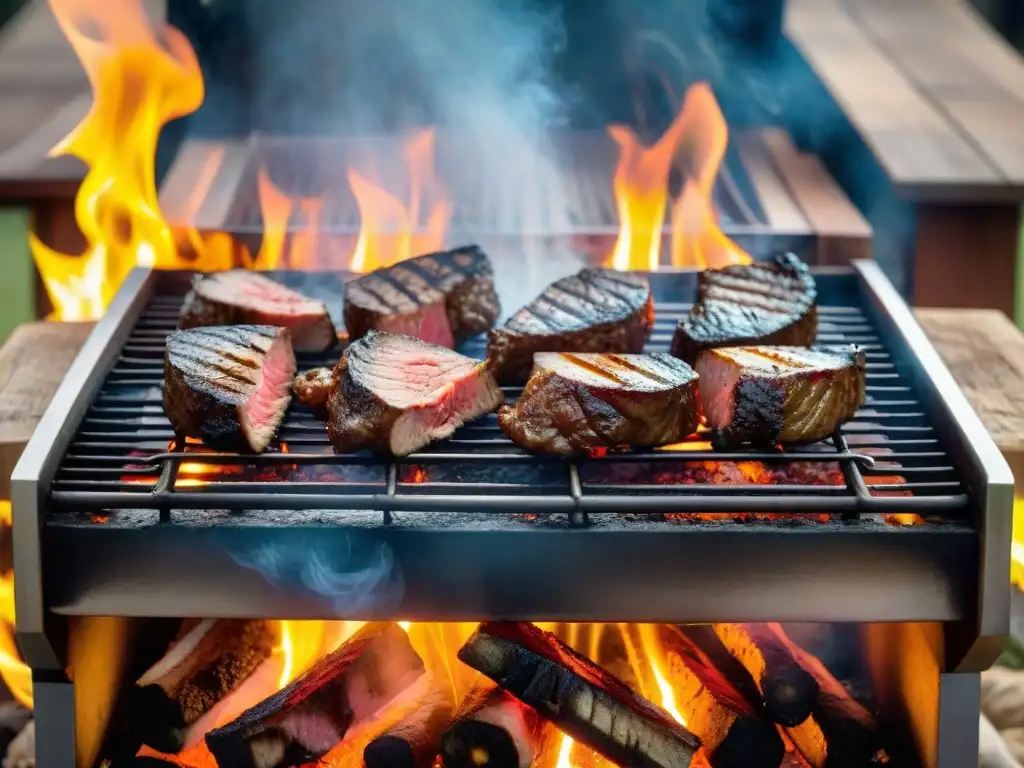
(54,701)
(959,707)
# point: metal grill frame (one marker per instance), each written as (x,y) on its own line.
(147,567)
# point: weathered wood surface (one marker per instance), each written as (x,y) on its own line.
(934,92)
(33,362)
(984,351)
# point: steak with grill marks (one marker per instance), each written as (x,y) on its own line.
(241,297)
(595,310)
(228,385)
(575,402)
(769,395)
(764,303)
(395,394)
(442,298)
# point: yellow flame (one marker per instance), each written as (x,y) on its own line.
(14,671)
(302,643)
(563,753)
(1017,548)
(141,78)
(389,231)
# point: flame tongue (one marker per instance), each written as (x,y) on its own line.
(695,144)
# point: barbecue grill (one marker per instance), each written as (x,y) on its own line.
(111,519)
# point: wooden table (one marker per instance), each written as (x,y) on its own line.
(936,100)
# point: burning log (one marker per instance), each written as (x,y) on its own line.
(206,662)
(304,720)
(733,733)
(581,698)
(840,733)
(414,740)
(494,729)
(788,690)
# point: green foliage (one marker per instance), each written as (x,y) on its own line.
(1013,655)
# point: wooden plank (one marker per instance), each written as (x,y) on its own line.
(966,256)
(922,152)
(961,65)
(984,351)
(843,232)
(782,212)
(33,362)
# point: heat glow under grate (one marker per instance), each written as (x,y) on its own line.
(887,461)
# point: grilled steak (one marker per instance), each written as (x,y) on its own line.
(228,385)
(394,394)
(242,297)
(595,310)
(313,387)
(575,402)
(764,303)
(769,395)
(443,298)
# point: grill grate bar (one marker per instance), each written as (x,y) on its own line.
(887,460)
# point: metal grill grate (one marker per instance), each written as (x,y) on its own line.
(889,460)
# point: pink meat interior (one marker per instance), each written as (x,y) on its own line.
(263,412)
(716,381)
(428,323)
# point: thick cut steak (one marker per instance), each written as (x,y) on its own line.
(769,395)
(241,297)
(394,394)
(229,385)
(770,302)
(443,298)
(577,401)
(595,310)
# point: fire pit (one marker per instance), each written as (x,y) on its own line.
(903,516)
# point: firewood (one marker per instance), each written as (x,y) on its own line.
(840,733)
(789,692)
(494,729)
(588,703)
(732,731)
(414,741)
(304,720)
(206,662)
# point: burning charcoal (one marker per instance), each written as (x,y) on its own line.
(494,729)
(207,661)
(241,296)
(414,741)
(303,721)
(595,310)
(732,731)
(789,692)
(613,656)
(442,298)
(581,698)
(840,733)
(229,386)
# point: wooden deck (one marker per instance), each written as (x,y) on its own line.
(938,98)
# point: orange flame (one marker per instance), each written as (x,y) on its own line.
(141,78)
(390,232)
(14,671)
(695,144)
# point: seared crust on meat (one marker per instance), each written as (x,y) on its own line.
(768,395)
(577,402)
(313,387)
(443,298)
(771,302)
(595,310)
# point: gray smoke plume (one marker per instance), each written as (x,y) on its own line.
(356,573)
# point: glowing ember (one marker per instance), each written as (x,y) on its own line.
(695,143)
(389,231)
